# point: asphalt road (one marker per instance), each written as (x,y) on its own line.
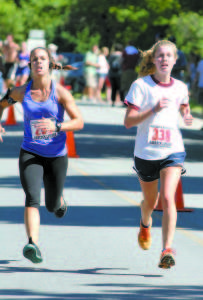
(92,253)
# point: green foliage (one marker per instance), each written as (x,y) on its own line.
(10,20)
(75,25)
(188,30)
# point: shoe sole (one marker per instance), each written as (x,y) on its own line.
(62,215)
(30,253)
(167,262)
(65,211)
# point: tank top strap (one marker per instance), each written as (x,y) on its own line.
(28,87)
(27,90)
(53,92)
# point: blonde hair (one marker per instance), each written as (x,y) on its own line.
(147,66)
(105,50)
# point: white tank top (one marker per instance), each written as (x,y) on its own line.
(158,136)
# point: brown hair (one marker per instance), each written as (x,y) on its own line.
(147,66)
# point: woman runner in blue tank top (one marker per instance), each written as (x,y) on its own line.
(43,155)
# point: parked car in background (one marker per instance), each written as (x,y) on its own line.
(70,58)
(74,78)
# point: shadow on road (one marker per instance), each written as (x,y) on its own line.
(116,291)
(191,185)
(101,216)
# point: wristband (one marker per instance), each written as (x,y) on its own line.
(58,127)
(153,110)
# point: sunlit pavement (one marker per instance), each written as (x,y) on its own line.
(92,253)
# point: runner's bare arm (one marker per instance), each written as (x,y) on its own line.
(134,117)
(12,96)
(68,102)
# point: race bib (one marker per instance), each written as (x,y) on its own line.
(41,134)
(161,136)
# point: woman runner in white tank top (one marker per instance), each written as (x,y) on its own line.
(154,102)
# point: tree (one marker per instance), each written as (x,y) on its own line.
(188,30)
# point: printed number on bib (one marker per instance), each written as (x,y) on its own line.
(39,133)
(160,136)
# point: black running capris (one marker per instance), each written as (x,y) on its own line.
(36,170)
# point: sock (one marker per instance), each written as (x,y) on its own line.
(144,225)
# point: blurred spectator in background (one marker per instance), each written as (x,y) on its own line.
(52,48)
(23,70)
(1,70)
(102,71)
(115,71)
(130,58)
(199,81)
(159,36)
(192,71)
(181,63)
(10,52)
(90,73)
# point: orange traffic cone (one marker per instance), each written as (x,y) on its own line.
(10,117)
(70,143)
(178,199)
(62,81)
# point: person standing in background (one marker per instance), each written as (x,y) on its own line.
(102,71)
(181,63)
(130,58)
(10,52)
(115,72)
(1,70)
(90,72)
(57,58)
(198,81)
(23,70)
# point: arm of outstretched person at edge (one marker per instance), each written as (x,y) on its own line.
(7,100)
(2,130)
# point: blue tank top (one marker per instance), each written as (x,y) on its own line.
(43,143)
(22,56)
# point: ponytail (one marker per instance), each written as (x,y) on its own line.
(57,66)
(147,66)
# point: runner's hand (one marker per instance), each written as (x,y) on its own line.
(47,125)
(163,103)
(188,119)
(2,131)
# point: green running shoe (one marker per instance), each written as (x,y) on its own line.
(31,251)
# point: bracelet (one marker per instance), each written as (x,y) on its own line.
(153,110)
(58,127)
